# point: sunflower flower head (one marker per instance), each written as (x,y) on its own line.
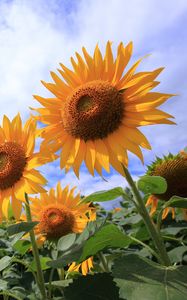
(59,213)
(174,169)
(97,108)
(17,164)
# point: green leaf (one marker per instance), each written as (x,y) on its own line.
(4,262)
(173,230)
(43,261)
(108,236)
(152,184)
(13,294)
(75,251)
(92,287)
(3,285)
(66,242)
(176,201)
(176,254)
(16,237)
(22,246)
(66,259)
(139,278)
(21,227)
(60,283)
(103,196)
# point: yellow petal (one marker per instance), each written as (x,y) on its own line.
(73,152)
(124,54)
(165,212)
(49,102)
(2,135)
(17,207)
(5,206)
(66,151)
(79,158)
(128,75)
(102,154)
(7,128)
(135,136)
(35,176)
(17,128)
(70,76)
(59,93)
(84,267)
(98,61)
(90,156)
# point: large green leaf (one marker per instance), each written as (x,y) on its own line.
(66,242)
(4,262)
(3,285)
(13,294)
(22,246)
(152,184)
(176,254)
(103,196)
(21,227)
(73,252)
(92,287)
(43,262)
(108,236)
(139,278)
(66,258)
(176,201)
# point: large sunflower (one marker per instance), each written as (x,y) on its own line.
(59,212)
(174,169)
(17,163)
(97,109)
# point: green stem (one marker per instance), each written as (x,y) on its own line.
(156,237)
(50,283)
(40,281)
(125,196)
(146,246)
(159,219)
(103,261)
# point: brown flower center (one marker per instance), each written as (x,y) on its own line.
(175,173)
(56,222)
(93,110)
(12,164)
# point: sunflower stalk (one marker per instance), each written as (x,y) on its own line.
(40,279)
(50,283)
(154,233)
(103,261)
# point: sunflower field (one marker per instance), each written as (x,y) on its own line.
(56,243)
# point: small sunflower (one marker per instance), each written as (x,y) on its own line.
(97,109)
(17,163)
(174,169)
(59,212)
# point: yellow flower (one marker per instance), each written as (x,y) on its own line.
(58,212)
(97,109)
(17,163)
(85,266)
(174,170)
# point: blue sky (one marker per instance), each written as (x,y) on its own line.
(36,35)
